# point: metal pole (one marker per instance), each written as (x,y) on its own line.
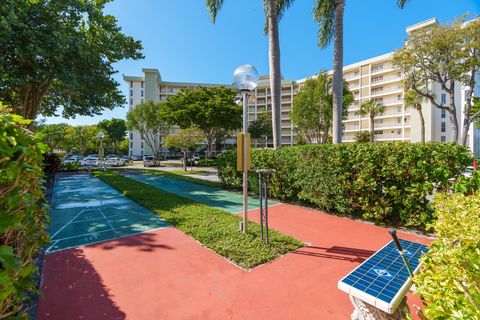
(245,150)
(266,206)
(260,195)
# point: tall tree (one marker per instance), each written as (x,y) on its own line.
(116,130)
(261,128)
(60,53)
(443,55)
(312,110)
(209,109)
(274,10)
(414,100)
(372,109)
(329,14)
(147,119)
(184,140)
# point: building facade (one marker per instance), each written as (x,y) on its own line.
(376,78)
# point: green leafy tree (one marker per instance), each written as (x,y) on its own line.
(60,53)
(312,110)
(209,109)
(475,111)
(274,10)
(443,55)
(53,135)
(116,130)
(147,119)
(372,109)
(261,128)
(413,100)
(362,136)
(184,140)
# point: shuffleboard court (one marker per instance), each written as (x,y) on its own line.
(214,197)
(86,210)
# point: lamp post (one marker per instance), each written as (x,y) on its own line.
(101,135)
(245,79)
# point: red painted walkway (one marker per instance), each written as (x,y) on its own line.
(165,274)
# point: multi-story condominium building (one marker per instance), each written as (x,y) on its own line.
(375,78)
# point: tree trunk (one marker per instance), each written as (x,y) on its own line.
(453,116)
(422,123)
(468,104)
(372,129)
(275,74)
(337,85)
(184,167)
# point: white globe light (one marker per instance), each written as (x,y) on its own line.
(245,77)
(101,135)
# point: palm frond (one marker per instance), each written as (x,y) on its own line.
(213,7)
(401,3)
(324,14)
(280,5)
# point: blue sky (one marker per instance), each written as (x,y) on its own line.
(182,43)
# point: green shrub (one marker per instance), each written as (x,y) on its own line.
(22,212)
(468,185)
(387,183)
(449,280)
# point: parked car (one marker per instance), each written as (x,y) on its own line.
(191,161)
(92,161)
(136,158)
(114,162)
(196,156)
(73,159)
(150,161)
(126,159)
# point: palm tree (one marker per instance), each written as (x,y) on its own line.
(274,10)
(372,108)
(414,100)
(329,14)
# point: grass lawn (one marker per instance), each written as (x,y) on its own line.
(179,175)
(214,228)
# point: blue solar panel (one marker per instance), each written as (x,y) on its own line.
(383,279)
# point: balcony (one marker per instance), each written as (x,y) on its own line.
(385,79)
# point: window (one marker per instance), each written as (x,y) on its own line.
(131,84)
(131,92)
(377,68)
(131,153)
(131,135)
(377,79)
(356,73)
(378,132)
(399,120)
(141,85)
(443,99)
(377,90)
(379,100)
(399,132)
(399,108)
(131,145)
(443,128)
(141,93)
(379,121)
(443,139)
(131,101)
(141,144)
(141,100)
(399,97)
(444,113)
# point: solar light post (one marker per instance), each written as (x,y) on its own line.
(245,79)
(101,135)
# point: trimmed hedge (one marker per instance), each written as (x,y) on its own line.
(23,218)
(449,280)
(387,183)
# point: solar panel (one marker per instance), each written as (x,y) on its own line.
(382,280)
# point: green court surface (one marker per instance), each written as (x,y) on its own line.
(85,210)
(214,197)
